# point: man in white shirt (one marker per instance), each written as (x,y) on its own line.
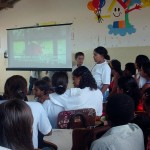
(123,135)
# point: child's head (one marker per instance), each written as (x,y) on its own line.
(47,79)
(130,69)
(15,88)
(129,86)
(120,109)
(82,78)
(60,82)
(145,70)
(41,88)
(115,66)
(16,122)
(140,59)
(100,54)
(79,57)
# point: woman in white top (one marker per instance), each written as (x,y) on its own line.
(101,71)
(16,88)
(139,61)
(85,95)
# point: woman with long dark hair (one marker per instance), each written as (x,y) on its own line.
(84,95)
(16,88)
(16,125)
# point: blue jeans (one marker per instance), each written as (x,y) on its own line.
(105,95)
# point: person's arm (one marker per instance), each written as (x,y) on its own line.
(104,88)
(50,133)
(105,78)
(44,124)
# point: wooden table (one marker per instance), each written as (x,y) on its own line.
(60,137)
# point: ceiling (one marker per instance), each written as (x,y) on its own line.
(7,3)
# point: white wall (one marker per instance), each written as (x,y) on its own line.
(86,32)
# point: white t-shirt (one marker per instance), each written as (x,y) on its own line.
(76,98)
(125,137)
(40,122)
(72,99)
(101,73)
(52,111)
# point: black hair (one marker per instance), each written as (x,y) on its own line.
(116,65)
(120,109)
(130,87)
(16,122)
(141,59)
(131,68)
(47,79)
(43,86)
(15,88)
(146,68)
(87,79)
(102,51)
(60,82)
(78,54)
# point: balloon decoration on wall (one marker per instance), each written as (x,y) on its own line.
(96,6)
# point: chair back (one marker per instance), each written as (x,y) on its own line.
(83,138)
(80,118)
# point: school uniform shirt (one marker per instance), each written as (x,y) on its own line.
(101,73)
(52,111)
(125,137)
(40,121)
(76,98)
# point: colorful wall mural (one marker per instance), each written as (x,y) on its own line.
(120,11)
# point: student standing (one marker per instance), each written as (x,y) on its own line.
(101,70)
(79,58)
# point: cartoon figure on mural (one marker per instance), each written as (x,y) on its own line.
(120,11)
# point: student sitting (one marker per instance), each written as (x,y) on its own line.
(128,85)
(41,91)
(116,72)
(130,70)
(85,95)
(16,122)
(145,73)
(123,135)
(60,83)
(143,119)
(16,88)
(139,61)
